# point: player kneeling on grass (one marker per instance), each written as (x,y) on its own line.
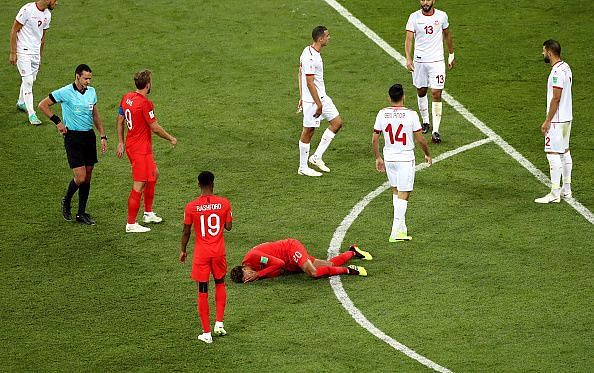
(272,259)
(398,124)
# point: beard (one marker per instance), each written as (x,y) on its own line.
(427,8)
(547,59)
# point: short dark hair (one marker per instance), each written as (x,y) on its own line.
(237,274)
(396,92)
(318,32)
(206,178)
(82,67)
(142,78)
(553,46)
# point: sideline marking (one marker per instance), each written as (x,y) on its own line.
(507,148)
(334,249)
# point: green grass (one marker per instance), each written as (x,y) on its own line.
(491,280)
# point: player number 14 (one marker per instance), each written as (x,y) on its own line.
(212,222)
(398,137)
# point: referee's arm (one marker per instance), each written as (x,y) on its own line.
(44,106)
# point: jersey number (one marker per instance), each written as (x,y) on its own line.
(399,137)
(128,116)
(212,222)
(296,256)
(428,29)
(440,79)
(547,141)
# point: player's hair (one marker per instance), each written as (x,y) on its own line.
(237,274)
(142,78)
(206,178)
(396,92)
(553,46)
(318,32)
(82,67)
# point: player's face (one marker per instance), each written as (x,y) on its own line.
(248,272)
(84,80)
(545,53)
(51,4)
(325,39)
(427,5)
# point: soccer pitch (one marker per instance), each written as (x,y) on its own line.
(491,281)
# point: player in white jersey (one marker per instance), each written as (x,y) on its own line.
(27,41)
(557,125)
(429,27)
(315,104)
(400,127)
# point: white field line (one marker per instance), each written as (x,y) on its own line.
(334,249)
(461,109)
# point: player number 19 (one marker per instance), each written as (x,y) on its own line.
(213,222)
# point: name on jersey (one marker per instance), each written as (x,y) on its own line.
(209,207)
(393,115)
(129,102)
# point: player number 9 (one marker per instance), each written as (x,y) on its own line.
(128,116)
(214,225)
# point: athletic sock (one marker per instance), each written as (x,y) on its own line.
(396,221)
(555,167)
(21,98)
(331,271)
(327,138)
(566,170)
(133,205)
(303,154)
(204,311)
(72,188)
(219,324)
(27,87)
(402,206)
(83,197)
(342,258)
(220,301)
(423,108)
(149,195)
(436,108)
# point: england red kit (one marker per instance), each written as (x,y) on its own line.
(208,214)
(138,112)
(271,258)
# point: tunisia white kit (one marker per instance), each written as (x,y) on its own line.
(311,64)
(428,56)
(28,43)
(398,125)
(557,138)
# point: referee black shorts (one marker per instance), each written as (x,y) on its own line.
(81,148)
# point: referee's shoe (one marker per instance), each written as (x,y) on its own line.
(85,219)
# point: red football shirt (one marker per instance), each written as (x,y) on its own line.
(208,214)
(138,112)
(270,257)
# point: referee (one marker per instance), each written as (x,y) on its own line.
(79,108)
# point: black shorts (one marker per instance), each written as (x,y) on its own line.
(81,148)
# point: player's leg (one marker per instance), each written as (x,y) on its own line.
(421,82)
(329,112)
(149,215)
(219,270)
(436,83)
(26,69)
(309,126)
(353,252)
(567,161)
(139,177)
(88,150)
(554,148)
(201,274)
(404,173)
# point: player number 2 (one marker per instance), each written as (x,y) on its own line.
(128,116)
(213,222)
(399,137)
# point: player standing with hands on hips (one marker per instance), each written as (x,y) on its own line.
(428,27)
(557,125)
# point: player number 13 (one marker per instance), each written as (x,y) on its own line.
(212,222)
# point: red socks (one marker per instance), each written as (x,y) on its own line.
(220,300)
(331,271)
(149,195)
(342,258)
(133,206)
(204,311)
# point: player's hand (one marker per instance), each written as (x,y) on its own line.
(451,61)
(545,127)
(428,160)
(120,150)
(103,145)
(409,65)
(182,257)
(299,107)
(12,59)
(173,141)
(318,111)
(380,165)
(251,276)
(61,128)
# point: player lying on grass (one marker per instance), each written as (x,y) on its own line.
(272,259)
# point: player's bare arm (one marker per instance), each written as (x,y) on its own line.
(421,140)
(553,107)
(99,126)
(42,46)
(314,94)
(44,106)
(379,162)
(228,225)
(120,131)
(300,103)
(447,35)
(184,242)
(408,44)
(160,131)
(16,27)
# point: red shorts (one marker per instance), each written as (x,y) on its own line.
(297,255)
(144,167)
(203,267)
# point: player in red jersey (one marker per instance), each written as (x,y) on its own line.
(137,111)
(209,214)
(272,259)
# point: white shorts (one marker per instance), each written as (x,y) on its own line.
(557,139)
(28,64)
(401,175)
(430,74)
(329,112)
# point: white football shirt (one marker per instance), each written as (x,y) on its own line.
(428,31)
(398,125)
(560,77)
(34,21)
(311,64)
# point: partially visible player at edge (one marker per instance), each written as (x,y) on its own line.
(27,42)
(272,259)
(137,111)
(557,125)
(209,214)
(429,26)
(398,124)
(315,104)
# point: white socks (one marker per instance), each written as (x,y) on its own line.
(327,138)
(303,155)
(436,108)
(399,222)
(567,165)
(27,92)
(219,324)
(555,166)
(423,108)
